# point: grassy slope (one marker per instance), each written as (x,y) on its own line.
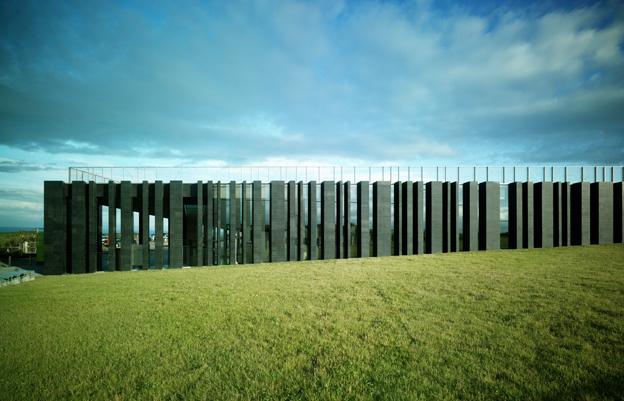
(543,324)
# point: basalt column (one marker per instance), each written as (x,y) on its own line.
(580,215)
(233,232)
(346,225)
(199,253)
(339,220)
(95,236)
(328,220)
(278,222)
(127,225)
(433,225)
(55,227)
(601,210)
(489,215)
(258,222)
(158,224)
(419,217)
(209,224)
(382,235)
(363,215)
(470,239)
(528,215)
(515,215)
(407,218)
(175,224)
(292,221)
(112,227)
(312,222)
(454,217)
(543,196)
(397,236)
(144,224)
(301,227)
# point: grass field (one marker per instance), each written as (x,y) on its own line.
(504,325)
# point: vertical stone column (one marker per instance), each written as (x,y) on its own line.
(158,224)
(233,233)
(176,207)
(209,223)
(312,224)
(258,222)
(454,212)
(419,221)
(515,215)
(55,227)
(144,224)
(382,236)
(292,221)
(363,215)
(557,215)
(301,227)
(346,225)
(199,253)
(433,224)
(580,215)
(543,195)
(528,215)
(489,215)
(94,224)
(601,211)
(339,218)
(278,222)
(470,239)
(618,212)
(112,227)
(407,218)
(565,214)
(446,217)
(328,220)
(397,236)
(127,226)
(246,216)
(217,223)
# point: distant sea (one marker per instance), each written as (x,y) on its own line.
(14,229)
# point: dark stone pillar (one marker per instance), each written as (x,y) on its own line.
(433,225)
(419,220)
(175,224)
(246,241)
(470,238)
(144,224)
(601,211)
(363,215)
(346,225)
(199,253)
(217,223)
(454,213)
(328,220)
(112,227)
(127,226)
(278,222)
(565,214)
(258,241)
(312,222)
(339,219)
(489,215)
(233,232)
(382,235)
(543,195)
(397,235)
(528,216)
(79,251)
(618,212)
(94,224)
(557,215)
(515,215)
(301,227)
(55,227)
(158,224)
(292,221)
(209,223)
(579,213)
(446,217)
(407,218)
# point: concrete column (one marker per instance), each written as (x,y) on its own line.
(579,213)
(565,214)
(557,215)
(112,227)
(127,226)
(209,223)
(312,224)
(543,196)
(346,224)
(176,207)
(158,224)
(278,222)
(144,224)
(328,220)
(382,234)
(233,232)
(419,217)
(528,216)
(55,227)
(454,213)
(199,252)
(433,224)
(407,218)
(257,226)
(339,220)
(618,212)
(515,215)
(292,221)
(397,235)
(363,215)
(301,227)
(601,211)
(470,238)
(489,215)
(94,224)
(446,217)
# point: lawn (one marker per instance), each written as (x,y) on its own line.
(504,325)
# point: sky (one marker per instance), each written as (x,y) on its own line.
(133,83)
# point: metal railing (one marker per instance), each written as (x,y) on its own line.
(502,174)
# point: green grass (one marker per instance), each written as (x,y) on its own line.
(504,325)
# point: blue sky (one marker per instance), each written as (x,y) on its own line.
(287,82)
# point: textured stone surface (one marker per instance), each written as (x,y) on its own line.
(144,223)
(258,223)
(199,224)
(454,217)
(515,215)
(312,222)
(601,211)
(328,220)
(292,221)
(470,216)
(112,227)
(209,223)
(419,217)
(158,224)
(489,215)
(433,220)
(346,221)
(278,222)
(95,235)
(363,216)
(55,227)
(233,238)
(580,215)
(301,227)
(127,226)
(543,209)
(446,217)
(382,232)
(175,224)
(397,210)
(407,218)
(339,220)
